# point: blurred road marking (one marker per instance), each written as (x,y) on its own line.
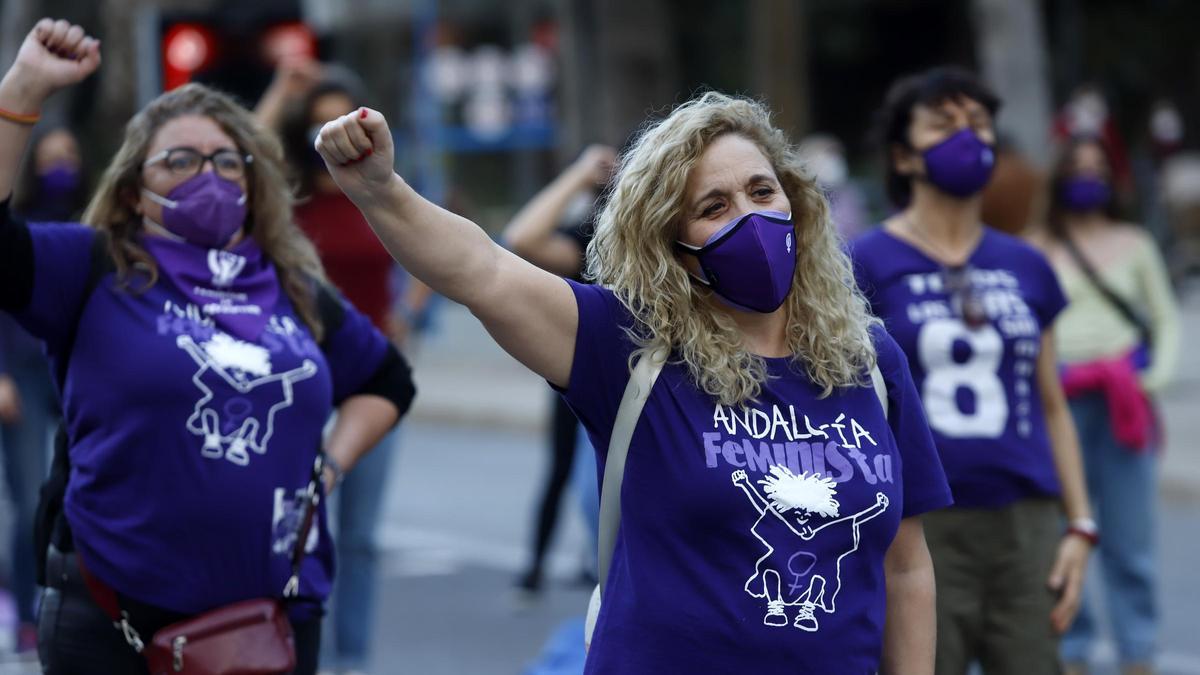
(416,552)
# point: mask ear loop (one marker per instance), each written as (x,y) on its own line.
(159,199)
(693,251)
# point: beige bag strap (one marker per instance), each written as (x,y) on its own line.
(641,381)
(880,389)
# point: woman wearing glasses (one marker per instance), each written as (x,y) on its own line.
(973,308)
(198,353)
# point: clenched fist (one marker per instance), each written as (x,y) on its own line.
(357,149)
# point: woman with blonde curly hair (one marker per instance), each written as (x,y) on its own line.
(715,248)
(198,352)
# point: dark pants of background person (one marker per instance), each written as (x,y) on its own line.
(76,637)
(993,605)
(563,431)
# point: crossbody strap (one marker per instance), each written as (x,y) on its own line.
(637,390)
(1118,303)
(106,598)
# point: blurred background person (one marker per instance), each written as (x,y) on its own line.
(974,311)
(552,231)
(1016,192)
(1118,340)
(825,158)
(303,96)
(50,187)
(1087,113)
(178,219)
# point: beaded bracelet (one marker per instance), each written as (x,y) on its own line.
(28,120)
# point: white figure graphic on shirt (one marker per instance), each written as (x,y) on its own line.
(803,562)
(226,418)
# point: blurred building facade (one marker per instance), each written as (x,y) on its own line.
(489,97)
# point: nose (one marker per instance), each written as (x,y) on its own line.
(743,204)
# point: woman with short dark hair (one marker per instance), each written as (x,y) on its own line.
(973,309)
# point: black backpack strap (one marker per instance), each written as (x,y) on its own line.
(330,309)
(50,525)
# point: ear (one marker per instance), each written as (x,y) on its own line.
(906,161)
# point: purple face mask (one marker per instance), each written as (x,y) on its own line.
(206,210)
(749,262)
(960,165)
(60,183)
(1084,193)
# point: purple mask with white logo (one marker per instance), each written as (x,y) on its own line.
(1084,193)
(960,165)
(206,210)
(750,262)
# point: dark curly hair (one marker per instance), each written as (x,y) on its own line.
(930,88)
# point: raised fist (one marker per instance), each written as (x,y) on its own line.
(596,163)
(54,55)
(357,149)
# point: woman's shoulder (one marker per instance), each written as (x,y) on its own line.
(1130,236)
(1011,243)
(597,297)
(888,355)
(873,240)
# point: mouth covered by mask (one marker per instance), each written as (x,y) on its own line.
(205,210)
(61,182)
(1085,193)
(961,165)
(750,261)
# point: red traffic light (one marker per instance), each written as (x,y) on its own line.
(187,47)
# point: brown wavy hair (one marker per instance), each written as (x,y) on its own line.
(269,219)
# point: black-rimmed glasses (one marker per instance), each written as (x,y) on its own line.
(188,162)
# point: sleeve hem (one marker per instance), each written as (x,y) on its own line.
(926,505)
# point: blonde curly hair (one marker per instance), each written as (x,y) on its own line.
(632,254)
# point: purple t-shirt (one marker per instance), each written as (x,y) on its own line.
(751,539)
(189,448)
(979,385)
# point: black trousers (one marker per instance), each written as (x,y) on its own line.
(564,430)
(76,637)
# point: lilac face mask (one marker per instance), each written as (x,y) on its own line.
(1084,193)
(750,262)
(206,210)
(960,165)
